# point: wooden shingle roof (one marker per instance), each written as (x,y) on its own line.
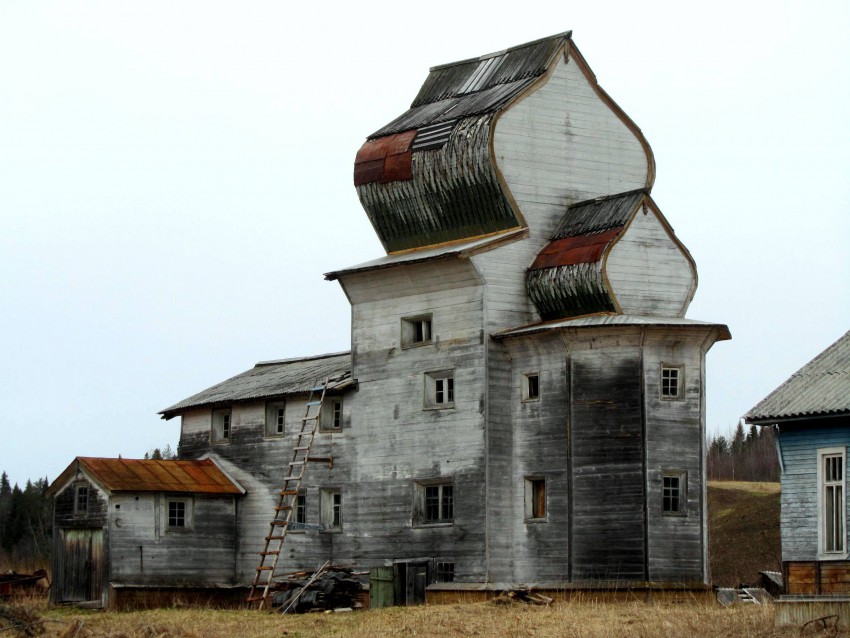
(819,388)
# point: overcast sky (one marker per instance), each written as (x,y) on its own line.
(175,178)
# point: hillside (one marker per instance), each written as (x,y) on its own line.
(743,531)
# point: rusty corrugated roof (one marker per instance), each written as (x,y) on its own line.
(819,388)
(611,320)
(147,475)
(269,379)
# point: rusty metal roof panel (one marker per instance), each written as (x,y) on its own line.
(819,388)
(270,379)
(148,475)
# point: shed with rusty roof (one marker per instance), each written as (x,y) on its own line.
(127,524)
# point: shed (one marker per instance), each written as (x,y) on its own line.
(125,523)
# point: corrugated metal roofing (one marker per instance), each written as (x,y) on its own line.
(443,251)
(599,214)
(611,320)
(270,379)
(821,387)
(582,249)
(137,475)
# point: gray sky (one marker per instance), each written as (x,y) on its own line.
(175,177)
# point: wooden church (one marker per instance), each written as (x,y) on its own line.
(524,399)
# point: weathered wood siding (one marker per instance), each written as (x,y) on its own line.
(563,144)
(145,551)
(799,501)
(675,436)
(607,460)
(649,272)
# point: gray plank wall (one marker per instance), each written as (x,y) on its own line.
(799,518)
(675,436)
(143,551)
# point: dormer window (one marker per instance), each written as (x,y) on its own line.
(416,331)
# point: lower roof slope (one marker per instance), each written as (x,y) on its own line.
(269,380)
(819,388)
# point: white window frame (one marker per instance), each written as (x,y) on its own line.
(332,414)
(417,331)
(531,386)
(680,382)
(440,389)
(826,492)
(446,500)
(682,492)
(275,419)
(330,509)
(532,513)
(188,514)
(222,426)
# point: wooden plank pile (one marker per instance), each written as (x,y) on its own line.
(330,588)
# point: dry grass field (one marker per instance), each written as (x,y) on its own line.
(579,619)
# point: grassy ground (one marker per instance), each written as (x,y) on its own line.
(577,619)
(743,531)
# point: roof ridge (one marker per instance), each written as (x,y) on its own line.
(314,357)
(565,35)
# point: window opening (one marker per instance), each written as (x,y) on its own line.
(177,514)
(535,498)
(416,331)
(670,383)
(439,389)
(445,572)
(832,502)
(673,493)
(276,419)
(81,499)
(439,503)
(531,387)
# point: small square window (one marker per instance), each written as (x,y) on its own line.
(530,386)
(535,498)
(276,418)
(671,382)
(178,514)
(416,331)
(445,572)
(221,426)
(674,492)
(331,509)
(81,499)
(440,389)
(434,503)
(332,414)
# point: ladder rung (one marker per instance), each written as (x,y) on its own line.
(269,553)
(309,418)
(283,508)
(288,492)
(275,538)
(318,388)
(279,523)
(265,568)
(311,403)
(296,462)
(300,448)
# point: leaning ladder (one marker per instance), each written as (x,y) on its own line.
(288,495)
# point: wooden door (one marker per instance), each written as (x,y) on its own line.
(80,566)
(381,592)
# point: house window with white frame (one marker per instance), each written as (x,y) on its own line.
(672,378)
(674,492)
(276,418)
(832,511)
(221,426)
(332,414)
(416,331)
(440,389)
(330,501)
(531,386)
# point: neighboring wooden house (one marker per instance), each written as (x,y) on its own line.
(811,416)
(524,400)
(141,524)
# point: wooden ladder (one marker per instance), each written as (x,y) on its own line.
(288,495)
